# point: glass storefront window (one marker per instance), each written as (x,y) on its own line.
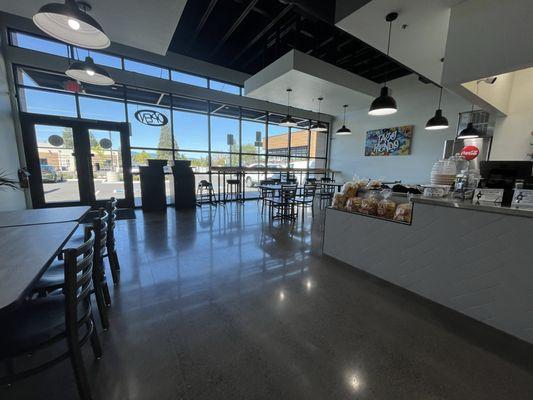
(318,144)
(145,135)
(188,79)
(224,87)
(224,160)
(224,134)
(190,130)
(58,165)
(99,58)
(299,142)
(31,42)
(49,103)
(102,110)
(253,137)
(146,69)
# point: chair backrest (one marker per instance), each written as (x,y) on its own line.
(311,181)
(100,227)
(292,180)
(309,190)
(326,179)
(111,209)
(276,180)
(288,191)
(78,280)
(204,183)
(267,182)
(328,189)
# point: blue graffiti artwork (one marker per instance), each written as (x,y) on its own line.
(389,141)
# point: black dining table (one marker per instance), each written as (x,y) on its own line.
(27,251)
(38,216)
(30,241)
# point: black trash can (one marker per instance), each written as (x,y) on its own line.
(182,186)
(153,193)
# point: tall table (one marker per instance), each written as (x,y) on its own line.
(40,216)
(27,251)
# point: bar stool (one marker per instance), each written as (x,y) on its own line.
(205,193)
(233,189)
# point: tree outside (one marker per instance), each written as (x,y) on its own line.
(166,142)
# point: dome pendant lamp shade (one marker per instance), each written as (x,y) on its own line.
(385,104)
(319,126)
(88,72)
(68,23)
(288,121)
(438,121)
(343,130)
(469,132)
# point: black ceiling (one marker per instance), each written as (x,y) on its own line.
(248,35)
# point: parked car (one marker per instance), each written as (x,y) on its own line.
(50,174)
(253,179)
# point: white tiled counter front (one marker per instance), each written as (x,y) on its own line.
(476,262)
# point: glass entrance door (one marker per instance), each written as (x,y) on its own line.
(73,161)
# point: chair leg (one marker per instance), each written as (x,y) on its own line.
(95,340)
(102,309)
(78,366)
(115,267)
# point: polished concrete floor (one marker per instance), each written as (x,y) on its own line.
(221,304)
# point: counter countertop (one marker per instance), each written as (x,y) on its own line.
(467,205)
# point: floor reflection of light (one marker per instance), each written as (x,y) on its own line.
(281,295)
(354,382)
(309,284)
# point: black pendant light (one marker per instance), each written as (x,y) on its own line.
(438,121)
(385,104)
(288,120)
(470,132)
(87,71)
(344,130)
(70,23)
(319,126)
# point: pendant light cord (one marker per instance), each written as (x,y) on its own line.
(344,119)
(388,50)
(440,96)
(288,101)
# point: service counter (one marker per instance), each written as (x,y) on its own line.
(477,260)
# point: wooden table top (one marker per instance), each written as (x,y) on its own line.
(42,216)
(26,252)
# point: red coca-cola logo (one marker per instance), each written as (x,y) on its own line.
(470,152)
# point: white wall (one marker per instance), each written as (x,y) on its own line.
(9,160)
(416,104)
(487,38)
(512,134)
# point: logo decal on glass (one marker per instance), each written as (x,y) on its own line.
(105,143)
(151,117)
(56,140)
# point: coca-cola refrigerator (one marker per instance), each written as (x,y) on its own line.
(475,150)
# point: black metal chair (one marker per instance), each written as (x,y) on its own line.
(38,326)
(307,199)
(53,279)
(111,243)
(326,192)
(282,207)
(265,193)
